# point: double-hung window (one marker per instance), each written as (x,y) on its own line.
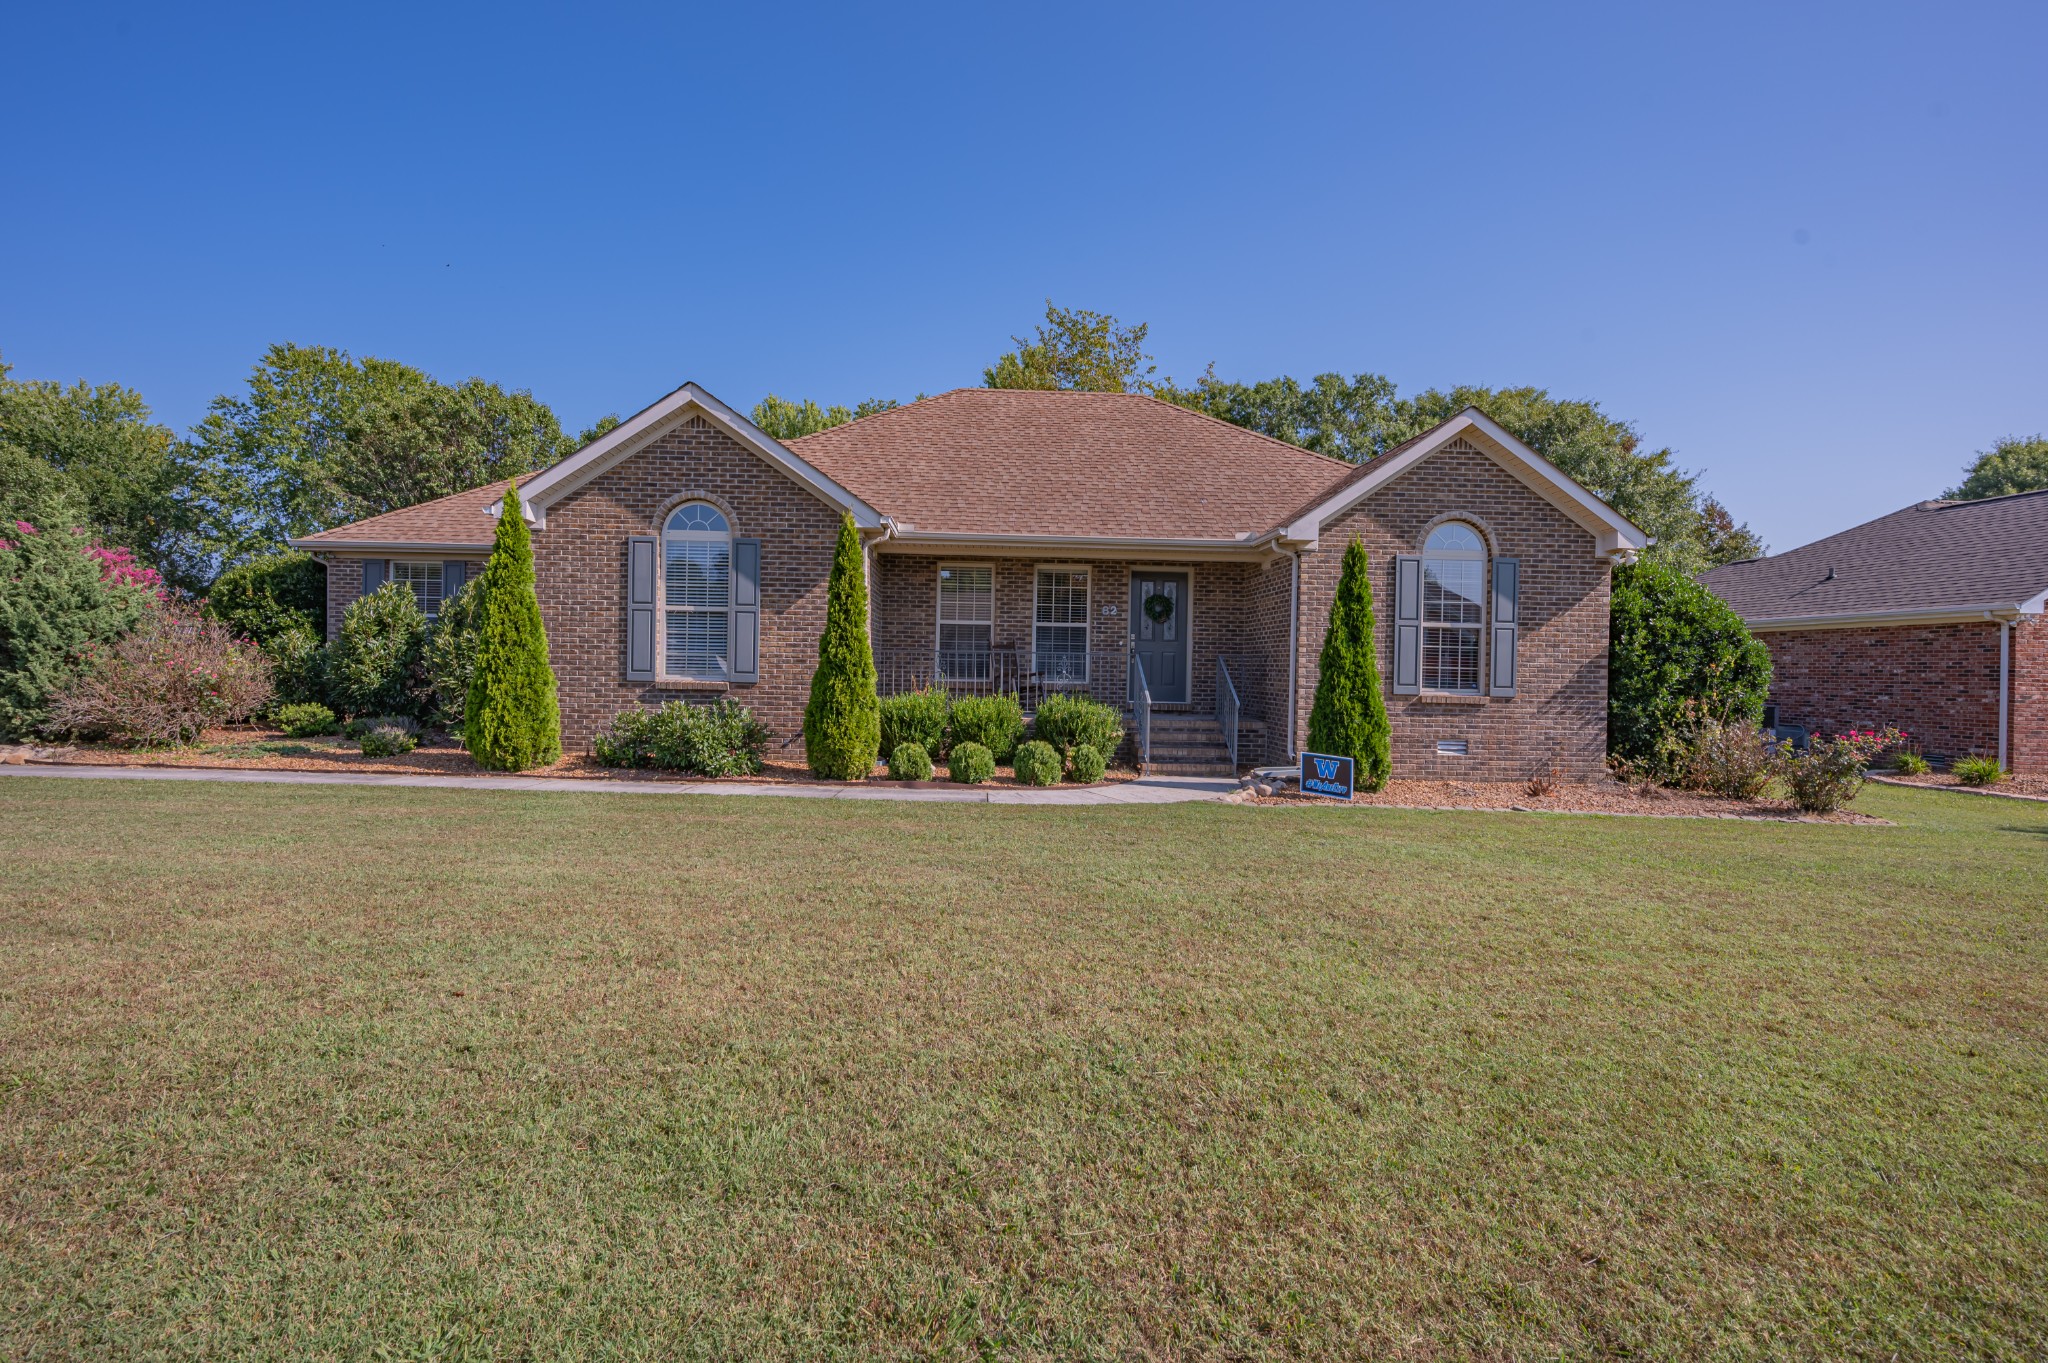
(696,556)
(1453,608)
(425,581)
(967,615)
(1059,627)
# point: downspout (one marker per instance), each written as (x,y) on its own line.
(1293,653)
(2004,689)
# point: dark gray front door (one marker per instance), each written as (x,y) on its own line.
(1159,622)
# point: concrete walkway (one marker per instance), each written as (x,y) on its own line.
(1155,790)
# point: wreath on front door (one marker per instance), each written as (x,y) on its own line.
(1159,608)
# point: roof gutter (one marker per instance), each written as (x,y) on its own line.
(1098,545)
(1916,615)
(313,546)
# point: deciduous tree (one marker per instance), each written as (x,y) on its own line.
(2014,464)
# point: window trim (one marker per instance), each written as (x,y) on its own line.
(440,568)
(1087,619)
(662,609)
(1480,629)
(939,620)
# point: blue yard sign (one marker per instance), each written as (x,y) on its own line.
(1322,774)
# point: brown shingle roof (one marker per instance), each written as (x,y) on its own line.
(982,461)
(462,520)
(1930,556)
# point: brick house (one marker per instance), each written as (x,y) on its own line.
(1929,618)
(1174,565)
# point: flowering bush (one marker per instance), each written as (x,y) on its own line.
(119,567)
(59,597)
(1830,773)
(164,683)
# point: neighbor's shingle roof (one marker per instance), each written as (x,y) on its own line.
(461,519)
(1929,556)
(984,461)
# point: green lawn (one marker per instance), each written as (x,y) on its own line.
(343,1073)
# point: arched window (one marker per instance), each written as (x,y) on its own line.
(1453,608)
(696,556)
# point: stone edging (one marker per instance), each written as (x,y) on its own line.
(1956,790)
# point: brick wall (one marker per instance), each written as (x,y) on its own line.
(580,574)
(1937,682)
(2028,735)
(1558,718)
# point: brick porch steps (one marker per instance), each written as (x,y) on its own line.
(1185,744)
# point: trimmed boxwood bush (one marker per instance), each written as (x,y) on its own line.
(1086,765)
(1068,721)
(1036,764)
(1349,716)
(720,739)
(306,721)
(910,762)
(1679,658)
(971,764)
(993,722)
(843,722)
(916,717)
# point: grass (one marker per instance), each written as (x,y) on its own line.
(317,1073)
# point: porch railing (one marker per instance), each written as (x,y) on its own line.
(1227,708)
(1002,671)
(1141,710)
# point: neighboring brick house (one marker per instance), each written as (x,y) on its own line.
(1033,541)
(1929,618)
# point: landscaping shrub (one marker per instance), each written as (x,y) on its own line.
(719,739)
(842,722)
(373,666)
(390,740)
(1829,774)
(1067,721)
(915,717)
(1977,771)
(970,763)
(1678,658)
(910,762)
(305,721)
(1037,764)
(1349,716)
(995,723)
(163,683)
(271,596)
(511,718)
(1910,764)
(449,655)
(298,667)
(57,599)
(1737,760)
(1086,765)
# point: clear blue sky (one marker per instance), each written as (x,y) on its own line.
(1801,244)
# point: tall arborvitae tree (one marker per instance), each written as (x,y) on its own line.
(843,722)
(1349,717)
(512,720)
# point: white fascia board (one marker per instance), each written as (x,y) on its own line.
(1617,535)
(1101,546)
(1915,615)
(538,493)
(386,547)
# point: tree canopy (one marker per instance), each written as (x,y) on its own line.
(1077,349)
(785,419)
(2014,464)
(322,438)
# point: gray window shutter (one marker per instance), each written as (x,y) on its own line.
(373,574)
(453,574)
(746,610)
(1507,622)
(1407,626)
(640,567)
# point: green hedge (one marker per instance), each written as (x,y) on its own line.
(916,717)
(720,739)
(994,722)
(1068,722)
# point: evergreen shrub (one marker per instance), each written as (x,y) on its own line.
(995,723)
(1349,715)
(842,722)
(915,717)
(1037,764)
(970,763)
(910,762)
(1086,765)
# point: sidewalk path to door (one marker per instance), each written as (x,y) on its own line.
(1152,790)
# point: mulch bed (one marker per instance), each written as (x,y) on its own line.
(2025,786)
(1606,797)
(254,748)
